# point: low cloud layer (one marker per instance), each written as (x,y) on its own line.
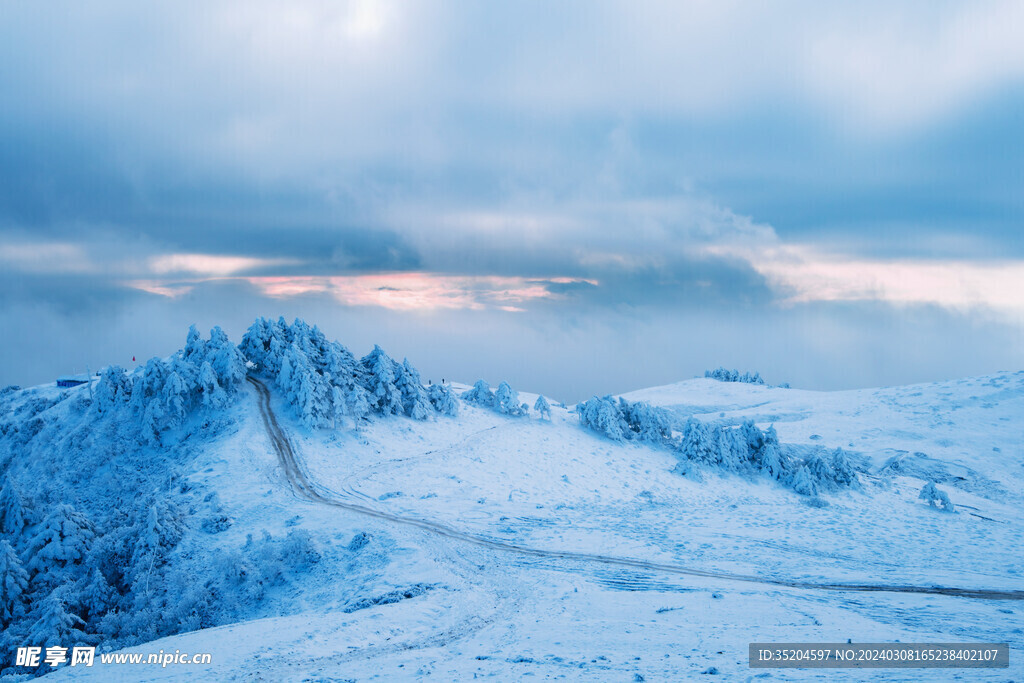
(571,177)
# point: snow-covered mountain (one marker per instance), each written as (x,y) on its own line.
(301,514)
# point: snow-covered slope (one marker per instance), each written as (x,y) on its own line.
(487,545)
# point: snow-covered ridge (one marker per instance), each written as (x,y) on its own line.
(125,523)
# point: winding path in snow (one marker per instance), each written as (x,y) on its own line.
(304,488)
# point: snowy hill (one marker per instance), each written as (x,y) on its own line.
(333,519)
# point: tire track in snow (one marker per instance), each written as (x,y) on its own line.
(305,489)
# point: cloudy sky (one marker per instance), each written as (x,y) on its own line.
(579,197)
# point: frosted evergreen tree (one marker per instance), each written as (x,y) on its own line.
(804,482)
(308,391)
(384,397)
(112,391)
(227,361)
(153,421)
(56,625)
(506,401)
(603,415)
(62,541)
(543,408)
(696,444)
(936,497)
(13,584)
(414,396)
(213,395)
(820,469)
(176,398)
(769,457)
(842,469)
(732,448)
(340,367)
(646,422)
(480,394)
(443,399)
(195,348)
(95,595)
(255,345)
(148,386)
(12,510)
(754,438)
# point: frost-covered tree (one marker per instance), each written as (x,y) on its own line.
(95,595)
(696,445)
(384,397)
(55,624)
(506,401)
(227,361)
(309,391)
(804,482)
(842,469)
(341,369)
(769,457)
(148,386)
(646,422)
(213,395)
(176,398)
(480,394)
(731,445)
(112,391)
(12,510)
(443,399)
(414,396)
(255,345)
(62,541)
(724,375)
(603,416)
(542,407)
(13,584)
(820,469)
(936,497)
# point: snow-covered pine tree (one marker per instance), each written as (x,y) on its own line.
(696,444)
(176,399)
(769,457)
(225,358)
(13,584)
(443,399)
(255,344)
(646,422)
(309,391)
(379,377)
(732,448)
(62,541)
(936,497)
(506,401)
(12,510)
(480,394)
(842,469)
(754,439)
(213,395)
(148,386)
(820,469)
(112,391)
(603,415)
(94,595)
(543,408)
(55,624)
(340,366)
(195,348)
(414,396)
(804,482)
